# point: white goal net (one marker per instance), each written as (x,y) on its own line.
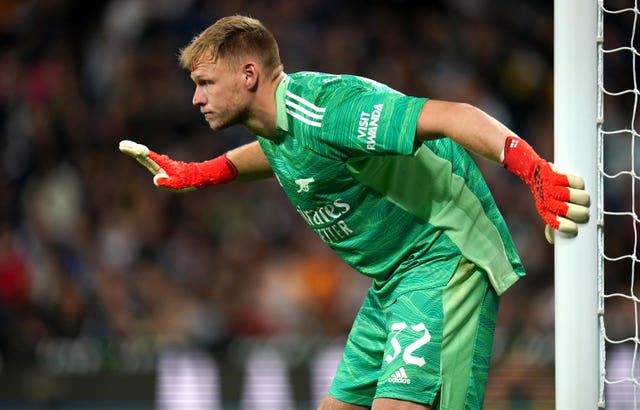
(618,203)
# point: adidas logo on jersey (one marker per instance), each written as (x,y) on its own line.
(400,376)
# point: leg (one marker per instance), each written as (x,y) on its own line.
(357,375)
(375,342)
(330,403)
(470,311)
(440,345)
(382,403)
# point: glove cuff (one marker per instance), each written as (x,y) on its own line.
(520,159)
(217,171)
(181,175)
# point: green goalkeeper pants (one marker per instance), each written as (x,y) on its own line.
(431,346)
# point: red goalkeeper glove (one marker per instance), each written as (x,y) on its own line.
(560,198)
(181,176)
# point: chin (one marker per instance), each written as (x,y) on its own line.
(214,125)
(218,126)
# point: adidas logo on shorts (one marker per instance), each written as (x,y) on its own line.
(400,376)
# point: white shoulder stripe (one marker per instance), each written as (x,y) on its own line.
(305,102)
(304,119)
(303,110)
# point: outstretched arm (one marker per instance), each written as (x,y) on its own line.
(560,198)
(244,163)
(251,162)
(469,126)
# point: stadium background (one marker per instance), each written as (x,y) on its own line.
(103,276)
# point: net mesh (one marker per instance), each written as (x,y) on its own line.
(618,213)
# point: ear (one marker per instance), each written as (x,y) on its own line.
(250,74)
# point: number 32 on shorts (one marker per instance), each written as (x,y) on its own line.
(407,354)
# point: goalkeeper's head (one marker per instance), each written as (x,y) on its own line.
(231,39)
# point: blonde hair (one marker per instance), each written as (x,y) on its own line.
(231,38)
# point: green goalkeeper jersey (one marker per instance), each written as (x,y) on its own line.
(400,212)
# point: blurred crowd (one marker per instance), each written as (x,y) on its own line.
(89,248)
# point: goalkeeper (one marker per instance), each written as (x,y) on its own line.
(385,180)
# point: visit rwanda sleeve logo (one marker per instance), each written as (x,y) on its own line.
(368,126)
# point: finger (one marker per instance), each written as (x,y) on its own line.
(579,196)
(551,207)
(133,149)
(550,234)
(567,226)
(141,154)
(577,213)
(151,165)
(162,180)
(575,181)
(571,211)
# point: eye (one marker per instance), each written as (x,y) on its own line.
(203,83)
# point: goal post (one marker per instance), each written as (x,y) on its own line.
(577,366)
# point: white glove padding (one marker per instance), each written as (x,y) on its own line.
(577,210)
(141,153)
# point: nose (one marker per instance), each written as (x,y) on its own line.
(199,98)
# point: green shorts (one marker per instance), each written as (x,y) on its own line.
(431,346)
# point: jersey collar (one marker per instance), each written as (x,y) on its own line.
(282,122)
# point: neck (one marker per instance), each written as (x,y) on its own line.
(262,113)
